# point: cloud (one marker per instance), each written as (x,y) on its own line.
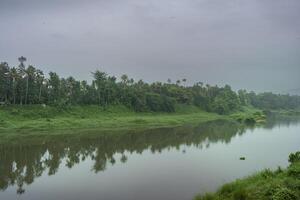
(213,41)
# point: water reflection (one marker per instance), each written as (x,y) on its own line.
(275,120)
(22,162)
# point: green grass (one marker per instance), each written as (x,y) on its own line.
(266,185)
(249,115)
(37,118)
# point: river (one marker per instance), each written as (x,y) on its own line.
(167,163)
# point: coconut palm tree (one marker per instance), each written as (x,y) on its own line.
(30,73)
(40,79)
(22,59)
(14,76)
(100,78)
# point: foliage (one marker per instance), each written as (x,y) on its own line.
(28,85)
(294,157)
(284,193)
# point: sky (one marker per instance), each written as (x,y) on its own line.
(249,44)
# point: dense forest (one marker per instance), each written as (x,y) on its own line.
(24,85)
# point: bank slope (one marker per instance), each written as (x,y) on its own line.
(265,185)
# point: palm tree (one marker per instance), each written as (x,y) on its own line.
(40,79)
(21,72)
(22,59)
(4,81)
(30,71)
(124,79)
(100,78)
(14,75)
(184,80)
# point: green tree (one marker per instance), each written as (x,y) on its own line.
(100,78)
(4,82)
(54,88)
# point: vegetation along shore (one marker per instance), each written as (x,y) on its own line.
(281,184)
(32,101)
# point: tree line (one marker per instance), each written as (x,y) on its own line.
(26,85)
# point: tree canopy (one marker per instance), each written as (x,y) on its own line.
(28,85)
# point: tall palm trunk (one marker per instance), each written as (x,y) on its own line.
(40,93)
(26,95)
(99,98)
(14,91)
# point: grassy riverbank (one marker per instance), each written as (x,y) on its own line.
(38,118)
(265,185)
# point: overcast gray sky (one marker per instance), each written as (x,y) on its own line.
(252,44)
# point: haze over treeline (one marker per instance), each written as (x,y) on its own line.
(26,85)
(250,44)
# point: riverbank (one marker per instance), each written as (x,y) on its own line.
(36,118)
(277,185)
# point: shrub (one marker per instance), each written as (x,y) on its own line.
(250,120)
(283,193)
(156,103)
(294,157)
(292,183)
(227,189)
(207,196)
(278,170)
(240,194)
(294,170)
(267,174)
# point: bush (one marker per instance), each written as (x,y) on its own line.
(293,184)
(278,170)
(240,194)
(267,174)
(227,189)
(283,193)
(220,106)
(168,104)
(160,103)
(294,157)
(294,170)
(207,196)
(250,120)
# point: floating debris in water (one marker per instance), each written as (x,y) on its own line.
(242,158)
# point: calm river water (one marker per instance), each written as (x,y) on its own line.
(169,163)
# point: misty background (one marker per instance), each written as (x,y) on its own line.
(251,44)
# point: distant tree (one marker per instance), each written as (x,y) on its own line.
(22,82)
(15,77)
(100,78)
(40,81)
(30,80)
(30,86)
(54,88)
(4,81)
(22,59)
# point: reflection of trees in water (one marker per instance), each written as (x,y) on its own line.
(275,120)
(21,163)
